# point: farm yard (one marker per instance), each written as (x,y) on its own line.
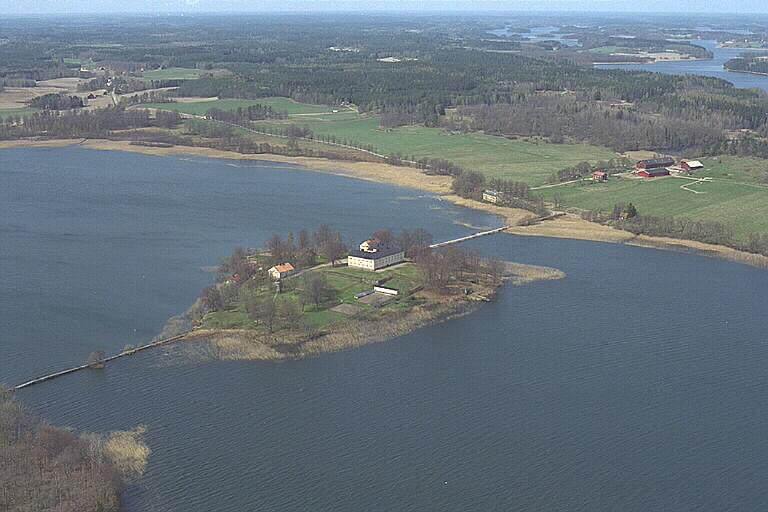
(732,191)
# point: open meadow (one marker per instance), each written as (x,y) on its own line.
(199,108)
(174,74)
(529,160)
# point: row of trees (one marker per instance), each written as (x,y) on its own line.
(56,102)
(302,251)
(471,184)
(257,112)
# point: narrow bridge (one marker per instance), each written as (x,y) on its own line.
(468,237)
(91,364)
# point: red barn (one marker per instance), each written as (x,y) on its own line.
(691,165)
(654,163)
(653,173)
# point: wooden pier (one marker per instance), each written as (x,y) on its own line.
(124,353)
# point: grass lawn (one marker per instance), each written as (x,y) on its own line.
(349,281)
(201,107)
(497,157)
(734,197)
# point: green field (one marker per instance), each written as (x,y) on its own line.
(529,160)
(17,112)
(277,103)
(173,74)
(608,50)
(496,157)
(735,196)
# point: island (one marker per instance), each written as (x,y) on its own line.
(309,294)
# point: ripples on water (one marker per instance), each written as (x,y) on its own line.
(637,383)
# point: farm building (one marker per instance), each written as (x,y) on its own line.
(654,163)
(374,255)
(653,173)
(691,165)
(281,271)
(492,196)
(600,176)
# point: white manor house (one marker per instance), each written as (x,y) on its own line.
(373,255)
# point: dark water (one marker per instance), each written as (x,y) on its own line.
(637,383)
(713,67)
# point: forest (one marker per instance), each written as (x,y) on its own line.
(750,62)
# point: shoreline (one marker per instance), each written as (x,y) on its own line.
(757,73)
(570,226)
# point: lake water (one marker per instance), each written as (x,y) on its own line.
(636,383)
(713,67)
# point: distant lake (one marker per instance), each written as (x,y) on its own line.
(713,67)
(637,383)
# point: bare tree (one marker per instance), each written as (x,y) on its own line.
(315,288)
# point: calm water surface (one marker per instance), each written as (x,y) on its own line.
(713,67)
(637,383)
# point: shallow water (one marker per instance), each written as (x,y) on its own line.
(636,383)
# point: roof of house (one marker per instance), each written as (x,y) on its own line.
(656,171)
(693,163)
(383,252)
(283,268)
(599,173)
(657,161)
(491,192)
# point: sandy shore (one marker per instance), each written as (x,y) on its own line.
(570,226)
